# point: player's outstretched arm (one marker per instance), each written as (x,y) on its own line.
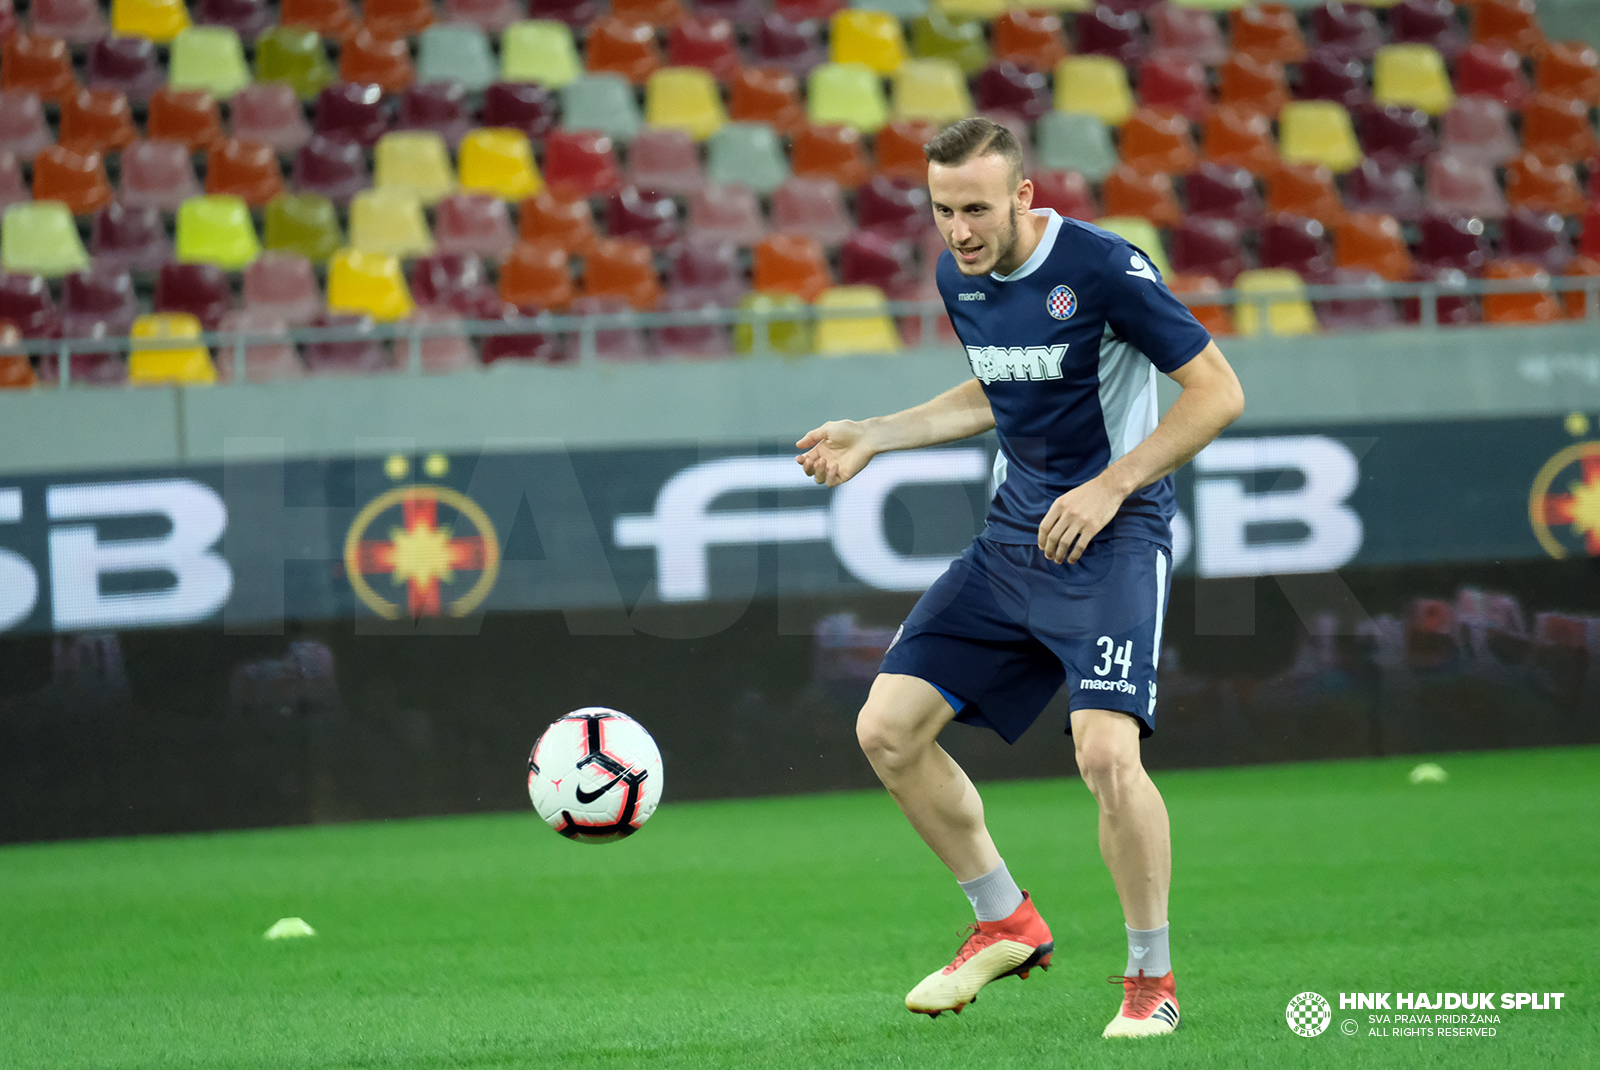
(840,448)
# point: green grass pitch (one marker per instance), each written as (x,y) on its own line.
(784,932)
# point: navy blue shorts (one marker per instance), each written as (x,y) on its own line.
(1005,627)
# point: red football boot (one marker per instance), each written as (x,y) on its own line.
(995,949)
(1149,1006)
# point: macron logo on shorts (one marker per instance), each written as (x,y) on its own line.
(1109,685)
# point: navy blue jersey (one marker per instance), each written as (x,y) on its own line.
(1067,347)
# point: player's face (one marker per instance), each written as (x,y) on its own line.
(976,206)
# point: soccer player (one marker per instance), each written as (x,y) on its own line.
(1064,325)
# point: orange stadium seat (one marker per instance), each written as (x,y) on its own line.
(1267,32)
(1028,38)
(793,264)
(1305,189)
(1253,85)
(623,269)
(536,274)
(1157,141)
(1557,129)
(1128,192)
(1509,24)
(76,179)
(97,120)
(1241,138)
(1518,308)
(1373,243)
(622,47)
(41,65)
(834,152)
(768,95)
(1532,183)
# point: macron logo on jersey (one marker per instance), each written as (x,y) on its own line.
(1141,269)
(993,364)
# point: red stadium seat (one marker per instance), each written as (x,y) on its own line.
(1208,247)
(1538,237)
(331,19)
(1267,32)
(1345,31)
(872,258)
(1223,192)
(580,163)
(25,303)
(705,41)
(98,301)
(1068,192)
(666,13)
(893,207)
(1491,71)
(1174,82)
(442,278)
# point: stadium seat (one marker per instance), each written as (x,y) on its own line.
(1428,22)
(187,115)
(705,41)
(1557,129)
(1509,24)
(16,370)
(1452,241)
(664,13)
(749,153)
(473,223)
(362,356)
(708,270)
(522,106)
(457,51)
(643,215)
(1372,242)
(1028,38)
(1318,131)
(1412,75)
(269,115)
(202,290)
(769,95)
(791,337)
(870,330)
(1295,243)
(1569,69)
(369,284)
(790,263)
(684,98)
(1490,71)
(544,348)
(1356,313)
(1541,307)
(873,39)
(1223,192)
(13,188)
(1003,88)
(216,230)
(1094,85)
(1068,192)
(96,120)
(1387,189)
(612,343)
(1305,190)
(1187,31)
(623,269)
(790,44)
(848,95)
(1345,31)
(936,36)
(159,357)
(416,162)
(930,89)
(491,16)
(439,108)
(154,20)
(443,278)
(372,60)
(1532,183)
(264,360)
(1240,138)
(77,179)
(1288,315)
(1128,192)
(246,170)
(97,301)
(389,220)
(397,18)
(1107,31)
(898,148)
(536,273)
(350,111)
(332,19)
(1253,85)
(25,303)
(893,207)
(1208,246)
(539,51)
(1575,302)
(622,48)
(665,160)
(282,285)
(127,64)
(40,65)
(23,130)
(77,22)
(1477,128)
(569,222)
(603,103)
(575,13)
(209,58)
(130,239)
(1456,185)
(695,341)
(1176,83)
(1156,141)
(1327,77)
(499,162)
(832,152)
(1076,141)
(295,56)
(974,10)
(580,163)
(157,174)
(1267,32)
(1216,319)
(333,169)
(727,212)
(1537,237)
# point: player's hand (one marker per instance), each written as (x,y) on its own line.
(1075,518)
(835,451)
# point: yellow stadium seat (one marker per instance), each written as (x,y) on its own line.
(370,284)
(1413,75)
(539,50)
(684,98)
(871,331)
(1318,131)
(983,9)
(846,94)
(931,89)
(1140,232)
(1292,315)
(1094,85)
(416,161)
(209,58)
(40,238)
(790,337)
(871,38)
(389,221)
(216,230)
(500,162)
(154,359)
(154,20)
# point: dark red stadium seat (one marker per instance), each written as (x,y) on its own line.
(705,41)
(1324,76)
(1005,87)
(642,215)
(523,106)
(696,341)
(1394,134)
(1175,82)
(1356,313)
(247,18)
(580,163)
(1105,31)
(436,279)
(441,107)
(1451,240)
(1491,71)
(1428,22)
(874,258)
(893,207)
(1223,192)
(98,301)
(1388,189)
(359,356)
(201,290)
(25,303)
(708,269)
(336,169)
(1539,237)
(1345,31)
(129,65)
(1208,246)
(352,111)
(1295,243)
(794,45)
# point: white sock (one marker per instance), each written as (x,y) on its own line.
(994,895)
(1148,951)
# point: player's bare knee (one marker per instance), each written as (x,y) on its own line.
(884,738)
(1108,769)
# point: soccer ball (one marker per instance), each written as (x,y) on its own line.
(595,775)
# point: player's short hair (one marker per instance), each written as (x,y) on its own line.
(971,138)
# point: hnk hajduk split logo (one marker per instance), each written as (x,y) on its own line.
(1308,1014)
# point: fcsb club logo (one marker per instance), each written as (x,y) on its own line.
(1309,1014)
(1564,505)
(1062,302)
(432,547)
